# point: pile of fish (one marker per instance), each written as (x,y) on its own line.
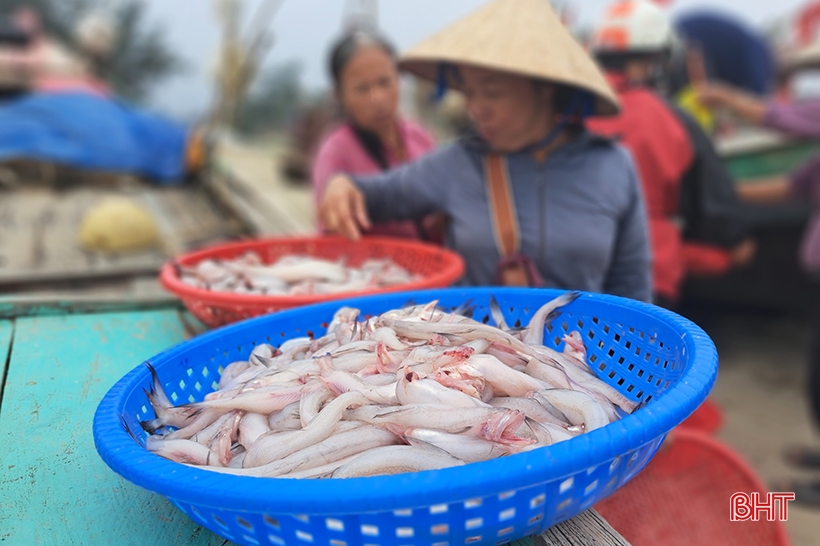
(412,389)
(292,275)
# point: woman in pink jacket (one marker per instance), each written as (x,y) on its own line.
(374,137)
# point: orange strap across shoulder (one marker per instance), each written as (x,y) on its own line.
(502,205)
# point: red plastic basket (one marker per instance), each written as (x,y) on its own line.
(439,268)
(682,498)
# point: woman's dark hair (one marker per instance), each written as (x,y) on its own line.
(346,47)
(562,96)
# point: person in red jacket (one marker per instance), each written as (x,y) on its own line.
(692,207)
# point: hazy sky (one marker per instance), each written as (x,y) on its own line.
(304,28)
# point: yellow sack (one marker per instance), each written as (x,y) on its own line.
(687,99)
(118,224)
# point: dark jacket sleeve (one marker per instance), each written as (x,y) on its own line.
(711,211)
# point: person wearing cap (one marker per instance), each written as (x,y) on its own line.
(373,137)
(798,119)
(532,198)
(691,204)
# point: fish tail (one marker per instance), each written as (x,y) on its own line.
(220,447)
(152,426)
(168,415)
(430,308)
(325,365)
(157,390)
(384,363)
(562,301)
(497,313)
(128,428)
(466,309)
(334,386)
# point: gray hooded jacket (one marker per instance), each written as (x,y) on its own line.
(580,212)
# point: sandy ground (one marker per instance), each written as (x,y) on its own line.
(761,390)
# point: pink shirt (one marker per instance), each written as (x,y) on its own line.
(341,153)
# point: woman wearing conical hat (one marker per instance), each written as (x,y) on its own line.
(532,198)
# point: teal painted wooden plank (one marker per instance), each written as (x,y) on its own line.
(54,489)
(40,306)
(6,333)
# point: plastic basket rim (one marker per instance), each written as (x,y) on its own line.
(378,494)
(452,271)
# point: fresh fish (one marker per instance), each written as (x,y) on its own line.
(265,400)
(497,314)
(534,333)
(166,414)
(580,408)
(531,408)
(273,446)
(263,353)
(311,404)
(389,338)
(464,378)
(395,459)
(324,471)
(412,389)
(232,371)
(292,275)
(343,382)
(456,390)
(182,451)
(339,446)
(207,434)
(481,420)
(505,380)
(251,427)
(468,449)
(575,349)
(287,418)
(547,434)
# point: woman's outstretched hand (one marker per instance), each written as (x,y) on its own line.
(343,208)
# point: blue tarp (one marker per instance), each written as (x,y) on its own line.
(94,133)
(735,53)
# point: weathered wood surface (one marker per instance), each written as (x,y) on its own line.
(39,231)
(83,295)
(586,529)
(40,257)
(55,488)
(71,303)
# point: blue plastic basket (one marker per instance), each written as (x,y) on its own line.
(645,352)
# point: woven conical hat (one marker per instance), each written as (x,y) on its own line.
(523,37)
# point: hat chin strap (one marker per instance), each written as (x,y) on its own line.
(581,107)
(441,80)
